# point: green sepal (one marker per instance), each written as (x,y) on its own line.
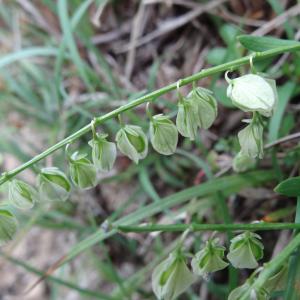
(83,173)
(21,194)
(163,135)
(171,277)
(104,153)
(132,142)
(53,185)
(209,259)
(8,226)
(245,250)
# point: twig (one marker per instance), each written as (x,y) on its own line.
(227,16)
(279,20)
(185,3)
(173,24)
(40,20)
(284,57)
(108,37)
(283,140)
(261,226)
(137,30)
(96,19)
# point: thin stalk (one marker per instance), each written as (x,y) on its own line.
(146,98)
(283,140)
(233,278)
(207,227)
(294,265)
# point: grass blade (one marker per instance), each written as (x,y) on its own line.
(67,31)
(259,44)
(27,53)
(284,94)
(234,182)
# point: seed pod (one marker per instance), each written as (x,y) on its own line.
(205,105)
(245,249)
(251,139)
(132,142)
(254,294)
(104,153)
(21,194)
(83,173)
(253,93)
(187,119)
(8,226)
(171,277)
(209,259)
(163,135)
(53,185)
(243,162)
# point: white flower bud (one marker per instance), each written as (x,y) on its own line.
(209,259)
(243,162)
(21,194)
(251,139)
(8,226)
(83,173)
(163,135)
(53,185)
(245,249)
(254,294)
(187,119)
(104,153)
(132,142)
(253,93)
(205,106)
(171,277)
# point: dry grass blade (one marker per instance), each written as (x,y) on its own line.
(38,18)
(173,24)
(278,21)
(49,272)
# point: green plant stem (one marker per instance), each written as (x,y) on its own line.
(233,276)
(146,98)
(208,227)
(233,183)
(294,265)
(272,266)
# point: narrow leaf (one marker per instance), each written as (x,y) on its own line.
(289,187)
(259,44)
